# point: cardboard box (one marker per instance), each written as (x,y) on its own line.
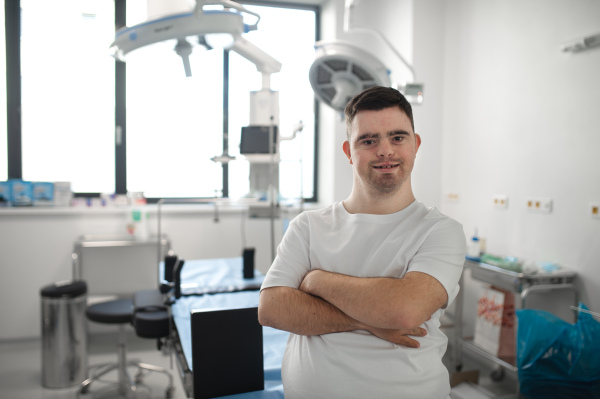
(62,193)
(22,192)
(43,193)
(5,193)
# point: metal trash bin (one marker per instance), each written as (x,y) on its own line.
(64,334)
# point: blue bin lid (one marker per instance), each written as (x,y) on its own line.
(64,289)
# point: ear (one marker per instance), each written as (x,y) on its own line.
(346,148)
(417,142)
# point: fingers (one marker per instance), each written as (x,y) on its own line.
(406,341)
(401,337)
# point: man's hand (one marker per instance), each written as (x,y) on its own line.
(305,285)
(399,337)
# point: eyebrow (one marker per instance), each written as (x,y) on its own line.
(377,135)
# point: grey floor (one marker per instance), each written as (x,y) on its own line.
(21,374)
(20,371)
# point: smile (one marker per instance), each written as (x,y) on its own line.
(386,166)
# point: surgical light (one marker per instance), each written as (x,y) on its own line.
(341,69)
(221,28)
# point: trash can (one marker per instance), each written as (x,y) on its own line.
(64,335)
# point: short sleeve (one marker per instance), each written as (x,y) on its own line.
(292,262)
(442,255)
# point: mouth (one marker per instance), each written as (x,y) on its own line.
(386,167)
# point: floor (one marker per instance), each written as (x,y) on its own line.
(20,372)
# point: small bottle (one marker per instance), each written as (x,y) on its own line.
(137,218)
(474,247)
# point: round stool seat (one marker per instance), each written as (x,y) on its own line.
(119,311)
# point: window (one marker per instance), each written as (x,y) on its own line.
(67,93)
(3,121)
(174,124)
(296,98)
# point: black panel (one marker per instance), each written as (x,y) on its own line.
(227,352)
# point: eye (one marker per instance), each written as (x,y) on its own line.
(398,138)
(368,142)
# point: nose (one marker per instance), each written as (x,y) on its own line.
(385,149)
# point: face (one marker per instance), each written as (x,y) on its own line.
(382,149)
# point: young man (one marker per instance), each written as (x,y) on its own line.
(362,284)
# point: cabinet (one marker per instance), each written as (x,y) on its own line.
(118,265)
(523,286)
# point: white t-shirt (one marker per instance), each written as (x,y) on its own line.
(357,364)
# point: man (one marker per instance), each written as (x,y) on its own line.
(362,284)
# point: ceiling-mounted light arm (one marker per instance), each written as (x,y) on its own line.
(348,8)
(198,9)
(585,43)
(391,46)
(265,64)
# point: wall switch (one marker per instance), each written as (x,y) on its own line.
(542,205)
(500,201)
(595,210)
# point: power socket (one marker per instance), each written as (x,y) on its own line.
(500,201)
(541,205)
(595,210)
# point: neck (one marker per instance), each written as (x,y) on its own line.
(364,201)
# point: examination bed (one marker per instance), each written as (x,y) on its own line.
(217,284)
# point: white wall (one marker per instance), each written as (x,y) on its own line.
(520,118)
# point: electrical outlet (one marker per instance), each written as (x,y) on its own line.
(595,210)
(451,197)
(500,201)
(542,205)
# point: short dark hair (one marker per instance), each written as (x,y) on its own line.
(377,98)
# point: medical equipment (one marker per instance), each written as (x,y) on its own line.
(218,28)
(341,69)
(528,286)
(211,28)
(585,43)
(218,285)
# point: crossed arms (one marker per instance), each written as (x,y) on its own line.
(326,302)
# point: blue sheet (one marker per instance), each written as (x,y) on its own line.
(222,273)
(210,275)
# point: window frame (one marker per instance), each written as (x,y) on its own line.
(13,93)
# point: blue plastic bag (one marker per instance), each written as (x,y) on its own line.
(556,359)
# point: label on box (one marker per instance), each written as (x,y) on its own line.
(62,193)
(43,193)
(22,192)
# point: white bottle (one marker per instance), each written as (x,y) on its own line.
(474,247)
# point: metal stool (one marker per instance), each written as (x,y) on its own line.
(121,312)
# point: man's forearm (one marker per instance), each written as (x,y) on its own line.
(295,311)
(379,302)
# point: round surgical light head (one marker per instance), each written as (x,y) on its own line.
(341,70)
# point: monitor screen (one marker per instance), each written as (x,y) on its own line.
(255,140)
